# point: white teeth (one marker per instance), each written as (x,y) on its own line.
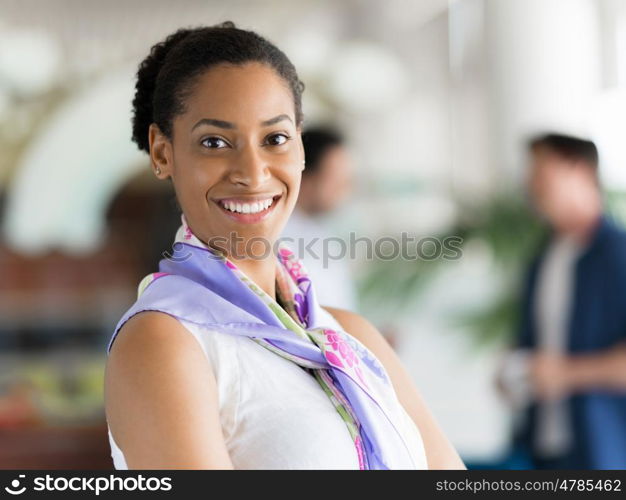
(248,208)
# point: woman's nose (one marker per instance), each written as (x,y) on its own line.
(250,168)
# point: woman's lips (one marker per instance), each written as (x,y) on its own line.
(247,218)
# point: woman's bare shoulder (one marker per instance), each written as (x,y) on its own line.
(147,327)
(161,398)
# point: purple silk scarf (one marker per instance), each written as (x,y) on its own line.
(198,285)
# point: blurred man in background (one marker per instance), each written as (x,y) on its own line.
(570,361)
(326,183)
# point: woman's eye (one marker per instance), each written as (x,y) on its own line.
(277,139)
(214,143)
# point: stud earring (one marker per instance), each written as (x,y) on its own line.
(157,170)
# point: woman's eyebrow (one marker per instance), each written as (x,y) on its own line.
(231,126)
(276,119)
(213,121)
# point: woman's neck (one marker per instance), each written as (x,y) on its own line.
(261,271)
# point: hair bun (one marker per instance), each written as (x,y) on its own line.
(146,83)
(167,73)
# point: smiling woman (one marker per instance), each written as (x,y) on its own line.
(226,359)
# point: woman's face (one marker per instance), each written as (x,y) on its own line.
(235,157)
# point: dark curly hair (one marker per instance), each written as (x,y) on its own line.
(165,77)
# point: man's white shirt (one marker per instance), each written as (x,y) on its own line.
(551,309)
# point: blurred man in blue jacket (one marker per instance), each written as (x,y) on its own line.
(571,351)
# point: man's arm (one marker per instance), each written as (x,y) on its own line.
(606,369)
(556,375)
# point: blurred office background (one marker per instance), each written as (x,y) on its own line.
(436,98)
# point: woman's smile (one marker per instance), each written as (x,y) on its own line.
(247,177)
(248,210)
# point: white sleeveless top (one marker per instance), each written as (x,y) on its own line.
(274,414)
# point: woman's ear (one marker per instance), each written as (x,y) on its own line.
(301,147)
(160,152)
